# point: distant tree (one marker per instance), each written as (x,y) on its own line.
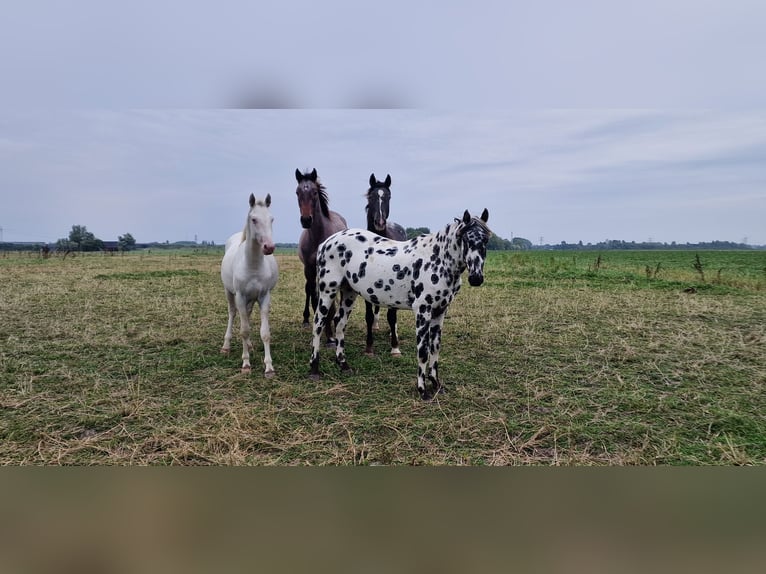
(80,239)
(126,242)
(521,243)
(415,231)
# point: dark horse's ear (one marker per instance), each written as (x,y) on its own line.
(268,200)
(485,215)
(313,175)
(373,181)
(252,200)
(298,175)
(466,217)
(388,180)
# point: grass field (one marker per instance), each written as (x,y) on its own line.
(617,358)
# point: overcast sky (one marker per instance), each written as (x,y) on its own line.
(571,121)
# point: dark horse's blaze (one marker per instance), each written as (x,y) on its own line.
(399,275)
(378,207)
(318,223)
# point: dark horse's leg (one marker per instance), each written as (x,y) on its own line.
(306,324)
(391,316)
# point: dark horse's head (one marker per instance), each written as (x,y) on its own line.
(378,199)
(474,235)
(312,197)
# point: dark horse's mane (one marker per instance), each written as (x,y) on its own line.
(324,201)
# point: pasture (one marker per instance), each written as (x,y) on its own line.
(560,358)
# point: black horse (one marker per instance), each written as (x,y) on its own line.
(378,204)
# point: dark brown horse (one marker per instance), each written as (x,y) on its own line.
(318,224)
(378,205)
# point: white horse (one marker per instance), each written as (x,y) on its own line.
(249,273)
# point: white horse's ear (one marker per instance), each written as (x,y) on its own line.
(388,180)
(466,217)
(252,200)
(373,181)
(298,175)
(485,215)
(268,200)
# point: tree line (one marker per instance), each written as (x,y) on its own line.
(80,239)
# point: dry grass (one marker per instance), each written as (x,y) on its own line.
(114,360)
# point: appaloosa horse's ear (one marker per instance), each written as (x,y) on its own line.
(252,200)
(373,181)
(298,175)
(485,215)
(268,200)
(388,180)
(313,175)
(466,217)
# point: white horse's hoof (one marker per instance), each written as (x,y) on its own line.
(245,370)
(269,374)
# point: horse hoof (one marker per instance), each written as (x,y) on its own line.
(306,325)
(396,353)
(315,376)
(369,354)
(269,374)
(225,351)
(245,370)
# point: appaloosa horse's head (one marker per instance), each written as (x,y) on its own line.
(473,236)
(312,197)
(378,203)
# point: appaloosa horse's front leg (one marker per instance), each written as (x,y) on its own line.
(264,305)
(391,316)
(347,297)
(423,335)
(321,316)
(435,335)
(369,319)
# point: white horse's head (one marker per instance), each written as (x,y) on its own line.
(258,225)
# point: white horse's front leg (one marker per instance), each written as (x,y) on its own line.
(244,321)
(264,305)
(232,311)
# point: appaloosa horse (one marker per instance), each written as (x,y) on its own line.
(318,224)
(422,274)
(249,273)
(378,206)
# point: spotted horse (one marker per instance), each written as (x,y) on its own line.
(422,274)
